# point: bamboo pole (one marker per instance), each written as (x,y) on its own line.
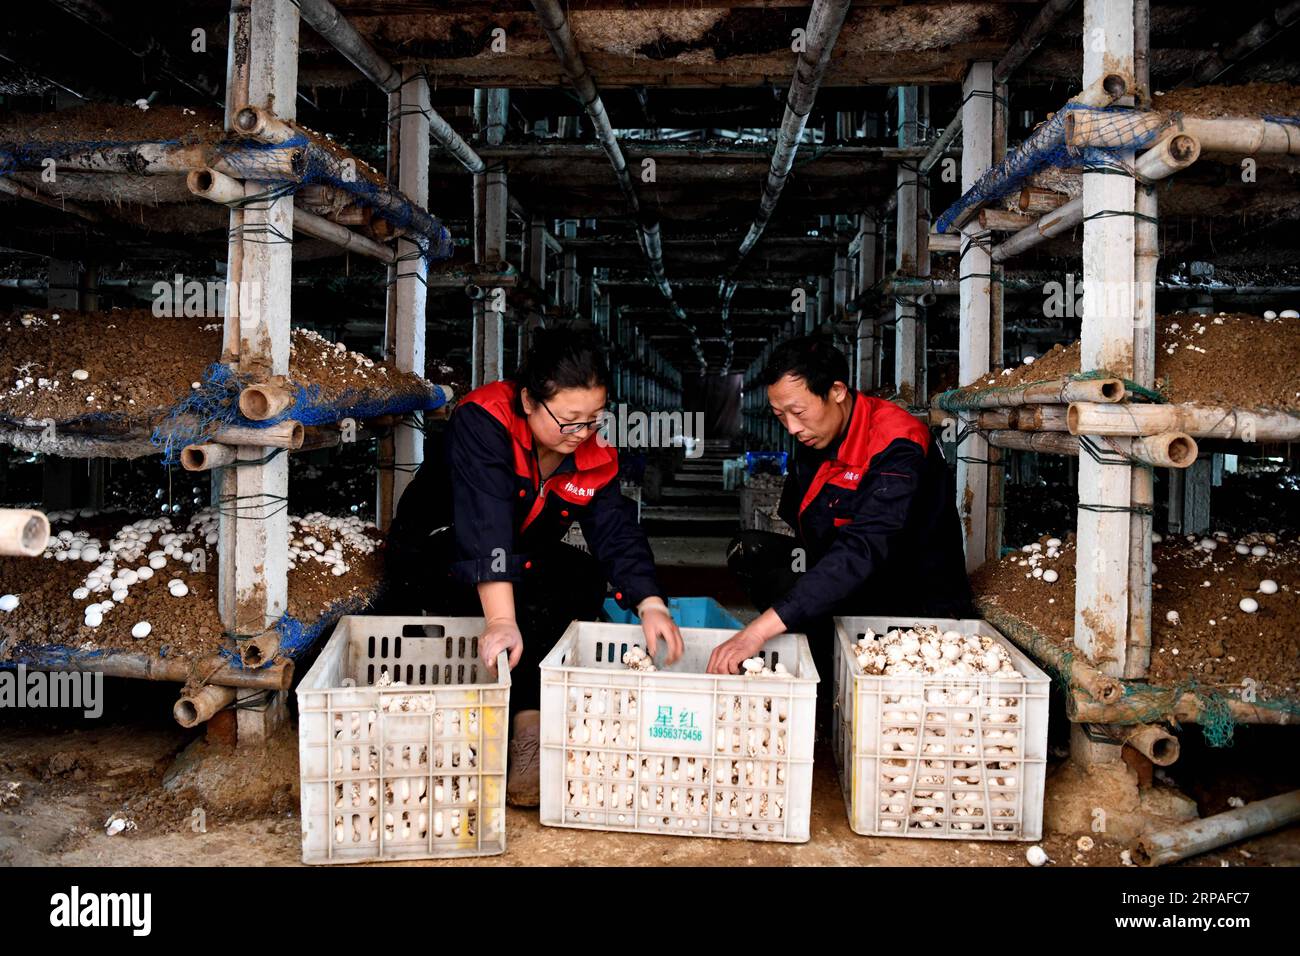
(1054,443)
(1186,709)
(277,676)
(986,420)
(22,191)
(1036,199)
(1041,418)
(1198,421)
(1166,450)
(23,533)
(1003,220)
(193,709)
(1200,836)
(212,184)
(207,456)
(1238,134)
(1155,743)
(262,402)
(1167,157)
(1079,673)
(285,434)
(1056,392)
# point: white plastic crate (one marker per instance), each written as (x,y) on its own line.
(676,751)
(402,772)
(939,756)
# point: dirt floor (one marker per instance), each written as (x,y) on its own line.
(69,782)
(1212,359)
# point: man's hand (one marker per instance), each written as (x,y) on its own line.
(728,656)
(657,623)
(500,634)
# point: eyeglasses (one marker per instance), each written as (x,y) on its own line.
(569,428)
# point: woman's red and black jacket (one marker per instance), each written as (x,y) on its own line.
(484,482)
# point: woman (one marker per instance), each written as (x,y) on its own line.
(479,529)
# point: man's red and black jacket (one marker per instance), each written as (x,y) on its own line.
(483,480)
(877,515)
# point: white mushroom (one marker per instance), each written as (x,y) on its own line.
(8,602)
(1036,856)
(1249,605)
(1268,586)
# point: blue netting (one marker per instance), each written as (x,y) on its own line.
(296,638)
(1123,129)
(215,404)
(286,166)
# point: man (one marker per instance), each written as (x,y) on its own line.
(872,504)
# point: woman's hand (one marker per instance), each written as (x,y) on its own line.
(500,634)
(657,623)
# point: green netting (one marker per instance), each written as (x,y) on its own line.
(1147,703)
(1142,703)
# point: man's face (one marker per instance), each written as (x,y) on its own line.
(815,421)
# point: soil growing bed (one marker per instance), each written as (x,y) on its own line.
(139,365)
(187,626)
(1248,99)
(1213,641)
(1226,359)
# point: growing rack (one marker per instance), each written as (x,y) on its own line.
(1109,416)
(275,178)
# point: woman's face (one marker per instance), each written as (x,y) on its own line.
(565,407)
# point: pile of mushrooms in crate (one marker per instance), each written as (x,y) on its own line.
(928,651)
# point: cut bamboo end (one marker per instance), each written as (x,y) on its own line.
(207,456)
(194,709)
(23,532)
(286,434)
(1166,450)
(1156,744)
(262,402)
(261,124)
(257,651)
(207,183)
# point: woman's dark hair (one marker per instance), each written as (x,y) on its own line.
(811,358)
(562,358)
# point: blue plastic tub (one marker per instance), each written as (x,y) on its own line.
(686,611)
(766,462)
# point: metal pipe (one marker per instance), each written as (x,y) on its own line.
(1200,836)
(322,17)
(556,24)
(824,23)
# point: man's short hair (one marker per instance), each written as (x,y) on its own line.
(811,358)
